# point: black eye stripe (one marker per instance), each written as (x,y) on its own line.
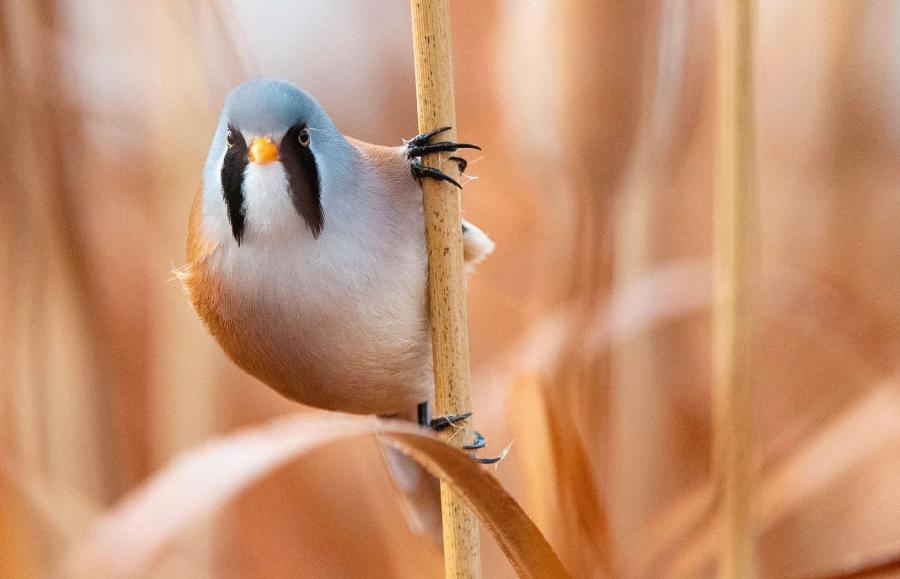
(233,182)
(303,178)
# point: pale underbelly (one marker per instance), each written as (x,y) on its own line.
(331,358)
(335,324)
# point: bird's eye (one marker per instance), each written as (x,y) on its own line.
(303,137)
(229,139)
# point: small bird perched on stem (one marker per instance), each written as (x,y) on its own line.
(306,255)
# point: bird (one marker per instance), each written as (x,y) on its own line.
(306,256)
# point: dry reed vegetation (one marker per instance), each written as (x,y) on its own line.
(590,328)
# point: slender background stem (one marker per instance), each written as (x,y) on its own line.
(735,229)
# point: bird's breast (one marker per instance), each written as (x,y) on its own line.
(337,322)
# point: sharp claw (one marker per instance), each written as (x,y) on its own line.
(478,443)
(466,146)
(442,422)
(425,137)
(420,171)
(444,146)
(436,132)
(461,163)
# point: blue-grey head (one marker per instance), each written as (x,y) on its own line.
(272,157)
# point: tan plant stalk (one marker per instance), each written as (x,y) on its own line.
(446,289)
(735,228)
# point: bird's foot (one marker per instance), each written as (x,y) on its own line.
(422,145)
(443,422)
(420,172)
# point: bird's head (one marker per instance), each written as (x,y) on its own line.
(274,155)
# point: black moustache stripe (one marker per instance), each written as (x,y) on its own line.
(233,182)
(303,178)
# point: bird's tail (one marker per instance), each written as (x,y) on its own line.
(476,245)
(420,493)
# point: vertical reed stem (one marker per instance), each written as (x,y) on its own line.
(446,289)
(735,230)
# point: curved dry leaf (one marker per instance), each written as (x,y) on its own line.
(137,531)
(525,547)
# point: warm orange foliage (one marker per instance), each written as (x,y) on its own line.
(590,325)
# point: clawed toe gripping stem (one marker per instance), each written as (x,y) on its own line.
(442,422)
(422,145)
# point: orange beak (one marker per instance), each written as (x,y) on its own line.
(263,151)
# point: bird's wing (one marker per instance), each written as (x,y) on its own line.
(394,167)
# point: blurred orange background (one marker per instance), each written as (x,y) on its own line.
(590,325)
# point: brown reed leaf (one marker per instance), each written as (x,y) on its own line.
(562,480)
(137,531)
(562,471)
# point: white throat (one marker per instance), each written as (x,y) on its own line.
(270,213)
(268,208)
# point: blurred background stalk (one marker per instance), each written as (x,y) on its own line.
(590,327)
(736,237)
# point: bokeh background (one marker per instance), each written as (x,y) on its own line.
(590,325)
